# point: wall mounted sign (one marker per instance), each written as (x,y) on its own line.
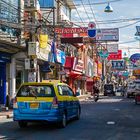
(110,34)
(118,64)
(115,56)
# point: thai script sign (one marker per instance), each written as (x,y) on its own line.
(111,34)
(70,30)
(115,56)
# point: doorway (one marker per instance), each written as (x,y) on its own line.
(2,83)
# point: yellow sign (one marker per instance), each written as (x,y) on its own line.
(43,41)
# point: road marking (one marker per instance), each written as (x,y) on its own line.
(110,122)
(116,109)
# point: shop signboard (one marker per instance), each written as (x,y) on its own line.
(115,56)
(136,72)
(110,34)
(5,57)
(78,65)
(47,3)
(118,64)
(112,48)
(70,30)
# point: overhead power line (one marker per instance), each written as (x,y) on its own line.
(93,14)
(85,10)
(98,3)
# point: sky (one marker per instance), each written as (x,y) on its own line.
(122,9)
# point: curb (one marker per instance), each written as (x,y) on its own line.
(3,117)
(9,116)
(6,116)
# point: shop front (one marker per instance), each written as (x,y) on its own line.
(90,74)
(74,69)
(4,59)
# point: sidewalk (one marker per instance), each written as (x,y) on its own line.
(6,114)
(84,97)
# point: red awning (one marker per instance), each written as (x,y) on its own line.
(75,74)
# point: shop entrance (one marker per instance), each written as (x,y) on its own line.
(2,83)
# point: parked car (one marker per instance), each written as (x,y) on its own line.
(109,89)
(50,101)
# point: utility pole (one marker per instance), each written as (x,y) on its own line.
(31,8)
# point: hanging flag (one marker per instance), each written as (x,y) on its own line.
(43,40)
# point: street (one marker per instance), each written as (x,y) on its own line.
(111,118)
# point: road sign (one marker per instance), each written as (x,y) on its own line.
(91,30)
(91,25)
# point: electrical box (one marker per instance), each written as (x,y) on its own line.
(27,63)
(33,63)
(32,48)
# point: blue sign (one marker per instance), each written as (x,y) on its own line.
(5,57)
(118,64)
(60,57)
(92,33)
(47,3)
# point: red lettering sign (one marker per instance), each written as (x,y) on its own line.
(115,56)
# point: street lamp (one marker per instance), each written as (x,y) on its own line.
(108,8)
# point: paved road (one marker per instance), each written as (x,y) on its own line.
(112,118)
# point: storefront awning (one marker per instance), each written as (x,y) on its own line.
(75,74)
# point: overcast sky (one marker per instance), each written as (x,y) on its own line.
(122,9)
